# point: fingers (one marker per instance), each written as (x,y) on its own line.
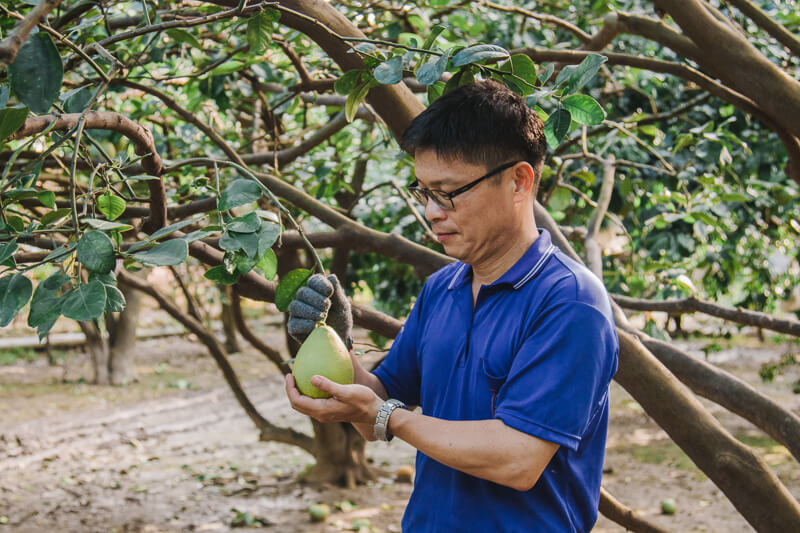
(318,283)
(299,308)
(331,387)
(299,328)
(313,299)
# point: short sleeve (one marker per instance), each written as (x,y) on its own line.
(399,371)
(559,378)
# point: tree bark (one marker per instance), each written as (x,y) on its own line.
(97,345)
(121,365)
(228,320)
(340,452)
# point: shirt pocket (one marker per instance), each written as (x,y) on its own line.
(495,380)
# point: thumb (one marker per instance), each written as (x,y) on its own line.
(326,385)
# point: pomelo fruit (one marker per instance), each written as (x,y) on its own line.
(323,353)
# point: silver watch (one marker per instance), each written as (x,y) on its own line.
(382,420)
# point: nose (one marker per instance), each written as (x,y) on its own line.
(434,212)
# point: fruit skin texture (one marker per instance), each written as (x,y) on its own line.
(318,512)
(668,506)
(323,353)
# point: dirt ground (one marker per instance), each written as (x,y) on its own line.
(174,451)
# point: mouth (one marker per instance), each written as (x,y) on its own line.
(443,236)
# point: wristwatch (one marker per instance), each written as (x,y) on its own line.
(382,420)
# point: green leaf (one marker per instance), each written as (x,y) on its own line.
(259,32)
(288,287)
(182,36)
(249,223)
(110,206)
(229,67)
(15,291)
(77,100)
(11,119)
(267,236)
(48,198)
(8,249)
(546,73)
(587,69)
(389,72)
(735,197)
(269,264)
(584,109)
(105,225)
(37,72)
(354,100)
(166,230)
(557,126)
(478,52)
(435,91)
(5,92)
(96,252)
(247,242)
(523,66)
(347,82)
(430,72)
(54,216)
(243,263)
(85,302)
(115,300)
(199,234)
(221,275)
(239,192)
(168,253)
(434,33)
(46,305)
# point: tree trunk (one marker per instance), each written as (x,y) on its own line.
(339,450)
(121,364)
(341,457)
(97,345)
(228,321)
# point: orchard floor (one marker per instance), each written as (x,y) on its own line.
(174,452)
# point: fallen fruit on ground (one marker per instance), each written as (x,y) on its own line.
(318,512)
(323,353)
(668,506)
(404,474)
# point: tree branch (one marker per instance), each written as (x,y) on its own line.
(140,136)
(691,305)
(627,518)
(286,435)
(766,23)
(11,45)
(594,254)
(556,21)
(241,324)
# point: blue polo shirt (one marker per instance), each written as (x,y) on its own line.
(537,351)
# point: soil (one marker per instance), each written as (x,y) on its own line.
(175,452)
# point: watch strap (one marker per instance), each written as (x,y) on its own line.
(381,429)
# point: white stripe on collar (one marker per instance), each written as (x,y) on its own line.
(539,264)
(458,272)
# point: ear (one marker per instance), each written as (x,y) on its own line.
(524,182)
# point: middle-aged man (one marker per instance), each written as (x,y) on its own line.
(509,351)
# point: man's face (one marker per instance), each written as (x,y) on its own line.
(482,221)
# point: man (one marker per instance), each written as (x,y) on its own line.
(509,351)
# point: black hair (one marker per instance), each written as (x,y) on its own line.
(481,123)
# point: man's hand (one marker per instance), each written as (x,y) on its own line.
(357,404)
(319,297)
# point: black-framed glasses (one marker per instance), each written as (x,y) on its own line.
(445,199)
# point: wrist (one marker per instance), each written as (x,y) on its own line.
(381,429)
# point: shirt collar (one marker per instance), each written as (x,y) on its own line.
(524,270)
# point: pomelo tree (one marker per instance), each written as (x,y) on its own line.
(258,139)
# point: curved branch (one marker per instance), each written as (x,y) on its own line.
(739,63)
(766,23)
(688,73)
(556,21)
(286,435)
(730,392)
(594,254)
(241,324)
(11,45)
(616,512)
(691,305)
(139,135)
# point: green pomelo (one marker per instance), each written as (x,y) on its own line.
(323,353)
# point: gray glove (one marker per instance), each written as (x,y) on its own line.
(321,295)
